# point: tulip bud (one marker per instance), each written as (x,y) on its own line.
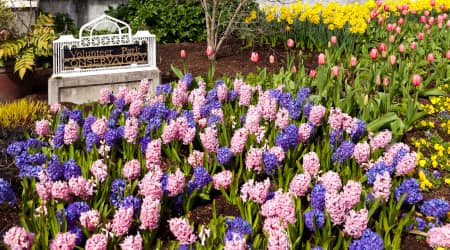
(254,57)
(378,80)
(426,12)
(290,43)
(293,69)
(389,27)
(430,58)
(209,51)
(400,21)
(391,39)
(431,21)
(335,71)
(379,2)
(312,73)
(392,59)
(271,59)
(382,47)
(433,3)
(321,59)
(401,48)
(420,36)
(398,30)
(373,53)
(353,61)
(416,80)
(333,40)
(422,19)
(447,55)
(413,11)
(385,81)
(413,45)
(404,13)
(442,6)
(386,7)
(380,20)
(183,53)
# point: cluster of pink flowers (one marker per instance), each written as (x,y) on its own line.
(90,219)
(245,94)
(179,95)
(132,95)
(182,230)
(339,120)
(175,183)
(122,220)
(299,185)
(18,238)
(311,164)
(55,107)
(150,212)
(150,185)
(71,132)
(252,119)
(153,154)
(382,186)
(237,243)
(123,91)
(99,127)
(356,223)
(381,140)
(361,152)
(178,129)
(253,161)
(130,132)
(63,241)
(268,106)
(132,242)
(255,191)
(316,114)
(222,180)
(97,242)
(278,237)
(209,139)
(331,181)
(282,118)
(351,194)
(335,207)
(222,92)
(61,190)
(131,170)
(439,236)
(42,128)
(105,95)
(144,87)
(196,158)
(304,132)
(407,164)
(81,187)
(99,170)
(136,107)
(238,140)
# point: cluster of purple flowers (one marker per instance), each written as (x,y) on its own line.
(200,179)
(314,219)
(29,164)
(437,208)
(411,189)
(288,138)
(237,228)
(369,240)
(7,194)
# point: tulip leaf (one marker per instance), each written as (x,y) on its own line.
(382,121)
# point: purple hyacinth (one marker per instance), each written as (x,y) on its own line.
(163,89)
(420,223)
(77,116)
(270,162)
(411,189)
(224,155)
(113,136)
(92,140)
(187,78)
(343,152)
(55,169)
(288,138)
(33,143)
(213,119)
(58,138)
(79,234)
(201,177)
(120,104)
(71,169)
(302,94)
(64,116)
(74,210)
(189,115)
(436,207)
(369,240)
(144,142)
(232,95)
(87,125)
(318,197)
(132,201)
(7,194)
(398,156)
(16,148)
(275,93)
(378,169)
(314,219)
(307,109)
(211,96)
(359,131)
(237,227)
(117,189)
(285,100)
(336,138)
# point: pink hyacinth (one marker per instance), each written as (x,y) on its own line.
(253,161)
(331,181)
(18,238)
(63,241)
(131,96)
(144,87)
(44,189)
(218,112)
(180,95)
(351,194)
(42,128)
(439,236)
(123,91)
(361,152)
(202,122)
(131,170)
(282,118)
(237,243)
(335,207)
(136,107)
(175,183)
(281,206)
(299,185)
(189,136)
(132,242)
(150,185)
(304,132)
(196,158)
(222,92)
(90,219)
(153,154)
(105,95)
(381,140)
(222,180)
(238,140)
(390,154)
(278,152)
(182,230)
(209,139)
(273,224)
(407,164)
(99,127)
(97,242)
(316,114)
(55,108)
(268,106)
(170,132)
(181,127)
(130,132)
(71,132)
(150,212)
(245,95)
(61,190)
(255,191)
(237,85)
(311,164)
(382,186)
(335,118)
(356,223)
(99,170)
(81,187)
(278,240)
(122,220)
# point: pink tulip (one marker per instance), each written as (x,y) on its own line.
(386,7)
(290,43)
(382,47)
(413,11)
(404,12)
(254,57)
(391,38)
(422,19)
(442,6)
(398,30)
(401,48)
(353,61)
(379,2)
(335,71)
(420,36)
(431,21)
(430,58)
(416,80)
(321,59)
(380,20)
(392,59)
(373,53)
(447,55)
(183,53)
(312,73)
(385,81)
(293,69)
(209,51)
(271,59)
(373,14)
(400,21)
(413,45)
(426,12)
(427,27)
(333,40)
(389,27)
(433,3)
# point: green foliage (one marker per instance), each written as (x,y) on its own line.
(6,16)
(25,111)
(169,20)
(64,24)
(28,48)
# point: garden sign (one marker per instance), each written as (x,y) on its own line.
(106,54)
